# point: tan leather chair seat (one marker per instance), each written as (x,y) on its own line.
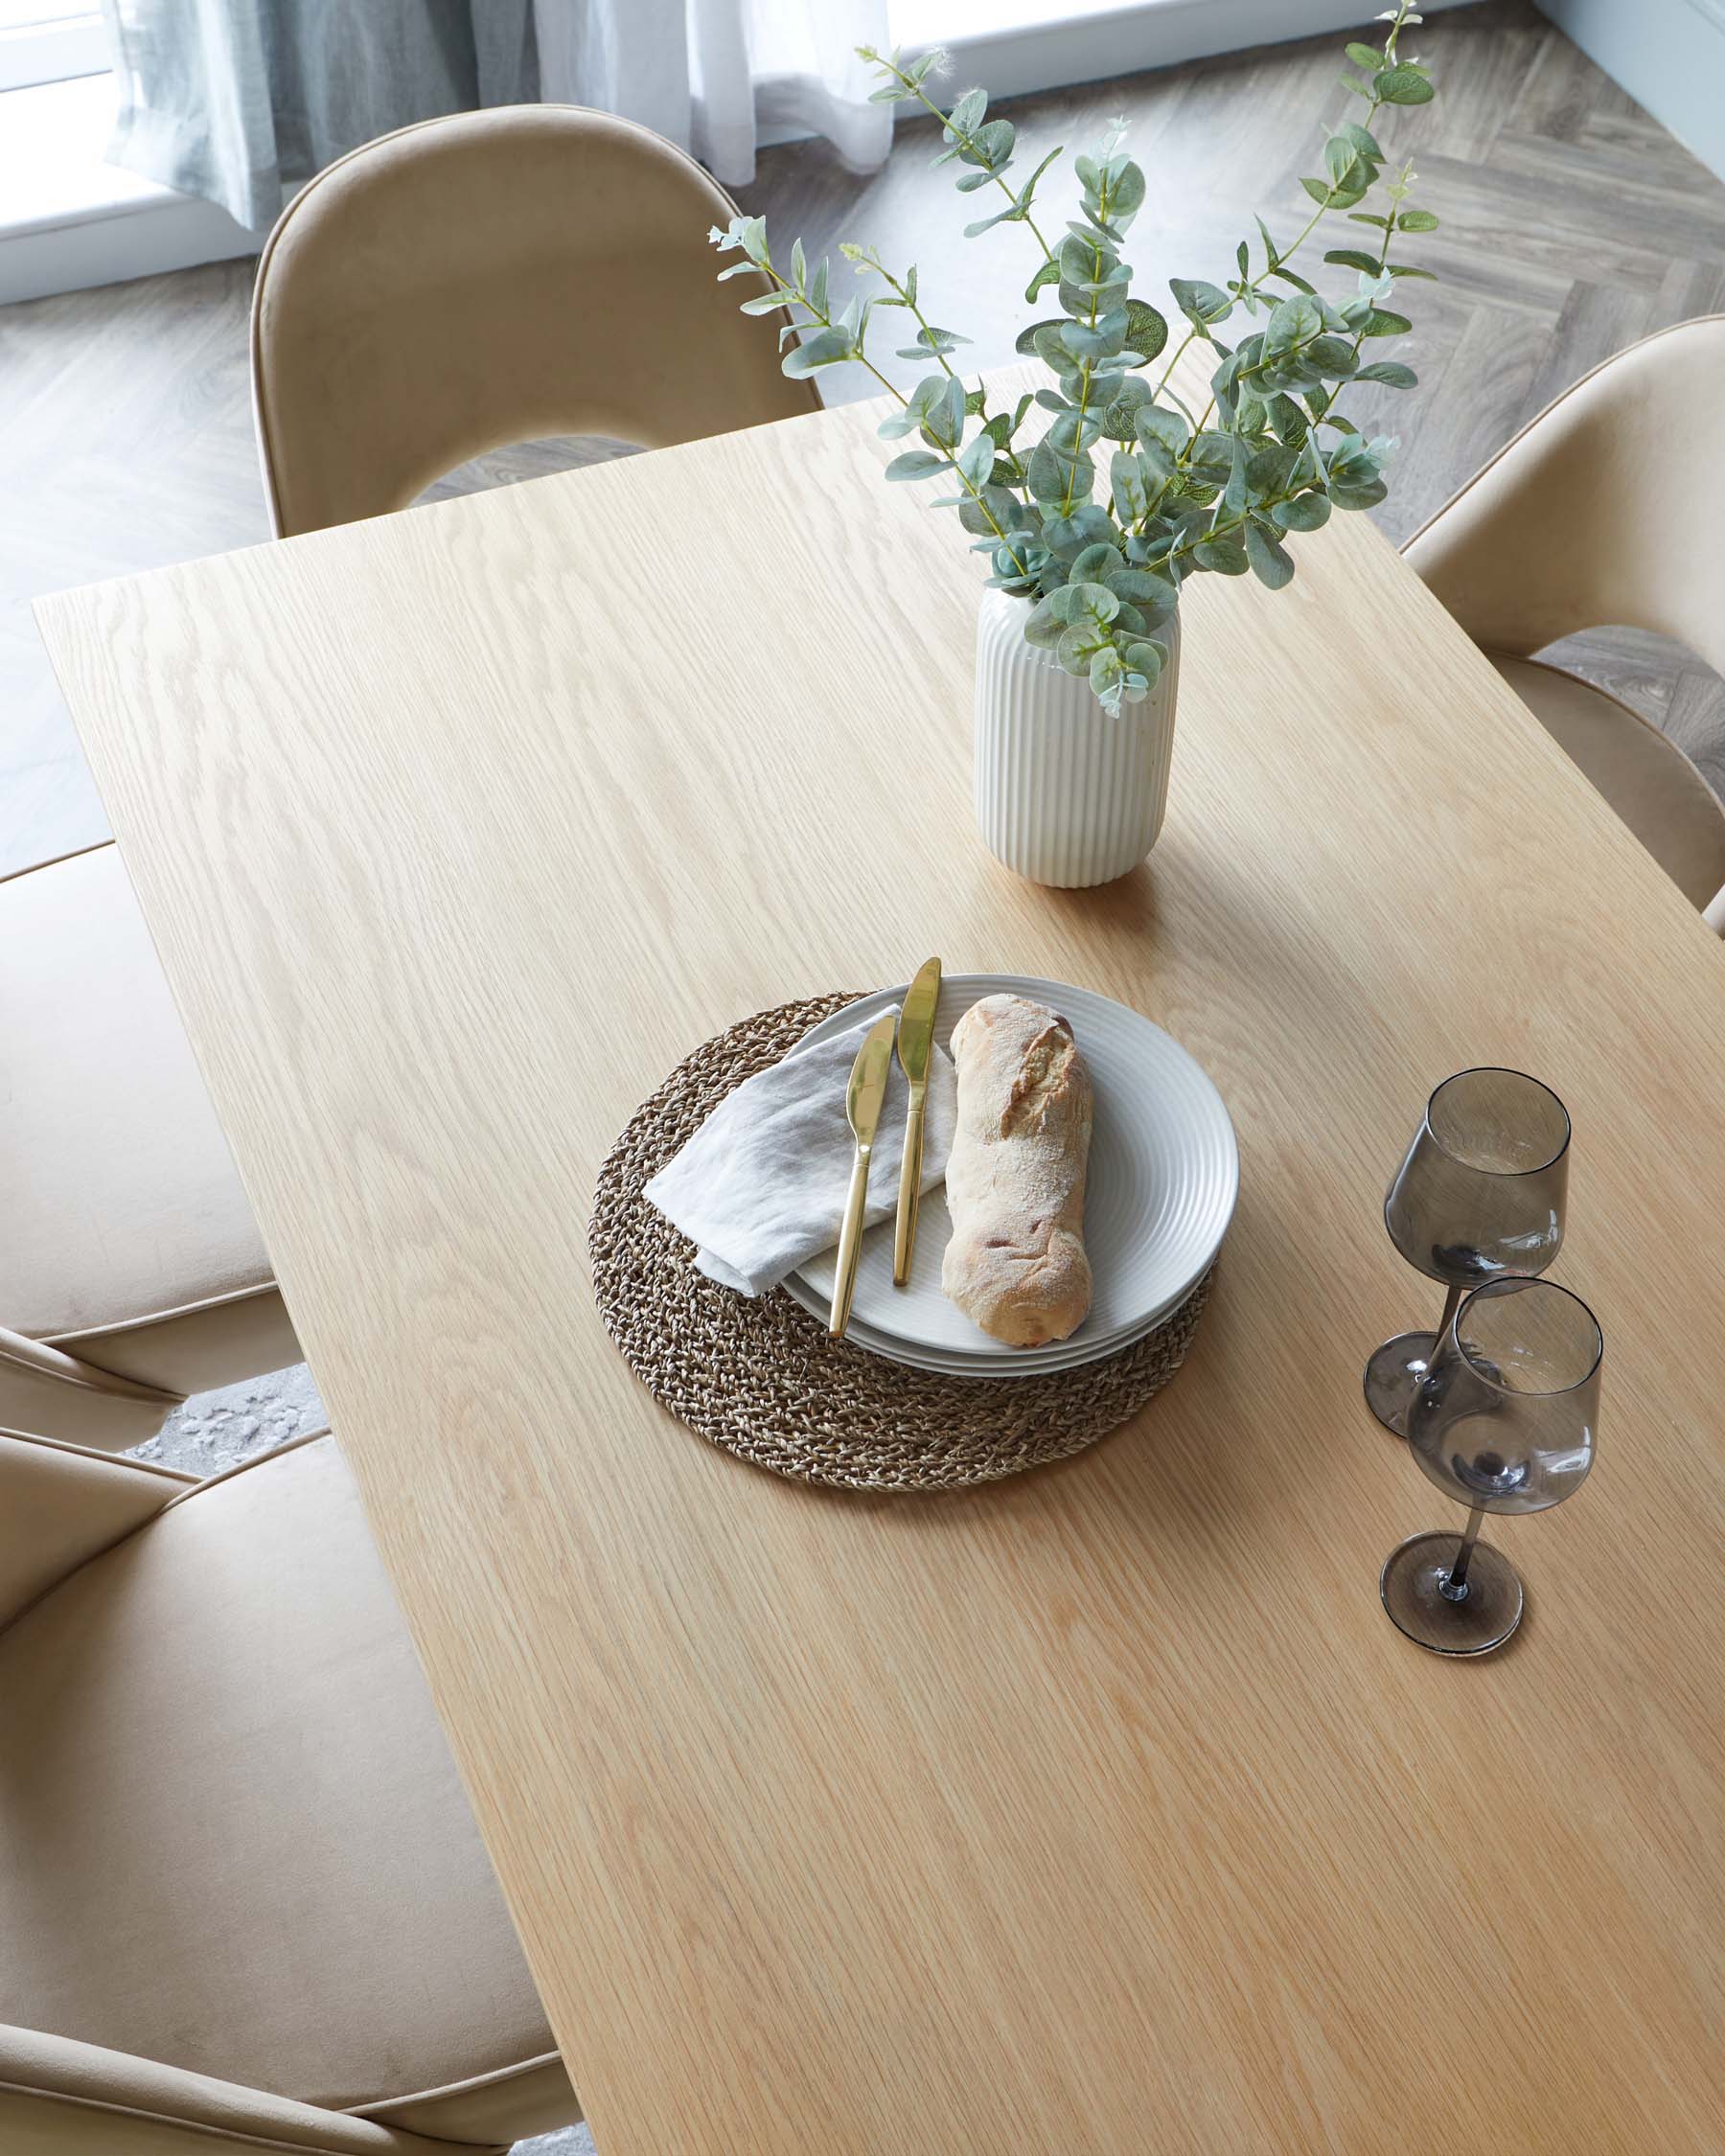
(1647,779)
(236,1840)
(129,1239)
(495,277)
(1597,513)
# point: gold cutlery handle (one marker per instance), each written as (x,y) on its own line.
(910,1174)
(850,1239)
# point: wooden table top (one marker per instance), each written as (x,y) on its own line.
(1103,1809)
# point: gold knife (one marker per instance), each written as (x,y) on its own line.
(915,1046)
(863,1098)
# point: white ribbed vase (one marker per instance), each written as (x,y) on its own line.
(1065,794)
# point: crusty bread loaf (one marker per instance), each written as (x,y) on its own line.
(1014,1179)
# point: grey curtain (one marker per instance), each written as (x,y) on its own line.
(237,100)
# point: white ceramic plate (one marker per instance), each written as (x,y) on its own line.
(1026,1362)
(1165,1172)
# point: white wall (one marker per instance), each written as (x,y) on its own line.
(1669,55)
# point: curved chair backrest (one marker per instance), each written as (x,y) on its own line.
(1607,507)
(489,278)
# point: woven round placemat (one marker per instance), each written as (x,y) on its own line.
(763,1380)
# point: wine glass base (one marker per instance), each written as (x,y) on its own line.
(1392,1377)
(1413,1577)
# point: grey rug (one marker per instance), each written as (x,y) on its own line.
(216,1430)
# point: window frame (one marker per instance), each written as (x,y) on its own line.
(53,48)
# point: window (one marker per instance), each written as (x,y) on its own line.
(46,40)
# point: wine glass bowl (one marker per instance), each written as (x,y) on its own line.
(1504,1420)
(1480,1195)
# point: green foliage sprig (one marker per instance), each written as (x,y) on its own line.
(1100,554)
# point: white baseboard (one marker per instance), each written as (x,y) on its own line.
(1012,49)
(1669,55)
(67,219)
(140,239)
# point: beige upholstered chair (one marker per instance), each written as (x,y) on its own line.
(242,1901)
(130,1269)
(489,278)
(1608,508)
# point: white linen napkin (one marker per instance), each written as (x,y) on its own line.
(761,1186)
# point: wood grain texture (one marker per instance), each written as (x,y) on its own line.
(1101,1810)
(1572,225)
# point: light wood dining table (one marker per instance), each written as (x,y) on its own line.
(1100,1809)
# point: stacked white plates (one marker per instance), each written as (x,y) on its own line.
(1165,1172)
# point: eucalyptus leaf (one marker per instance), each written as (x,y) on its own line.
(1334,356)
(1234,495)
(823,350)
(1303,512)
(1288,421)
(1292,322)
(1147,330)
(1129,486)
(966,115)
(1154,422)
(1226,555)
(976,461)
(1402,85)
(1126,194)
(1200,302)
(1145,588)
(1119,418)
(916,463)
(1092,563)
(1146,659)
(1045,474)
(1271,562)
(1268,469)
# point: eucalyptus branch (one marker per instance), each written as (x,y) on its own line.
(1102,567)
(1334,195)
(786,293)
(934,344)
(1088,375)
(963,135)
(798,295)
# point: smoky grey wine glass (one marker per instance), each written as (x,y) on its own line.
(1505,1420)
(1480,1195)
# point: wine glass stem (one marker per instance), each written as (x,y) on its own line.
(1455,1588)
(1452,1302)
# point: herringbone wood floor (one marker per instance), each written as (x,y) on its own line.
(1572,225)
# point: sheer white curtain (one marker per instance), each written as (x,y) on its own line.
(239,100)
(715,74)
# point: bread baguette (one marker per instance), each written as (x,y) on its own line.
(1015,1180)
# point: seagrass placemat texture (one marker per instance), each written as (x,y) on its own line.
(763,1380)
